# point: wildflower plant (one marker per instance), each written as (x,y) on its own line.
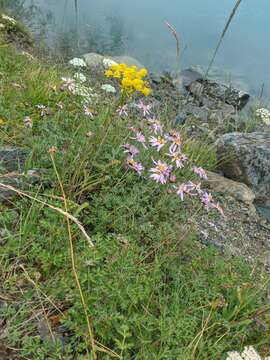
(157,155)
(264,115)
(131,79)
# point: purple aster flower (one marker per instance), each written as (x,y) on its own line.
(161,172)
(134,165)
(157,142)
(131,149)
(146,109)
(200,172)
(140,138)
(178,158)
(88,111)
(122,110)
(156,126)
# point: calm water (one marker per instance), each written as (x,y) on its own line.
(137,28)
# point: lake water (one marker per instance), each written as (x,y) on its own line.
(137,28)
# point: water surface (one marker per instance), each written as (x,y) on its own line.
(137,28)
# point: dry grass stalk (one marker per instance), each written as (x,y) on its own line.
(227,25)
(73,262)
(174,33)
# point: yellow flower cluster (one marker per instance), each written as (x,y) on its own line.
(130,78)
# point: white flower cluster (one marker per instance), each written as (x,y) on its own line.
(85,92)
(107,63)
(77,62)
(108,88)
(80,77)
(264,115)
(249,353)
(9,19)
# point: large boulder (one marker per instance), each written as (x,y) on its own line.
(94,60)
(215,91)
(125,59)
(246,158)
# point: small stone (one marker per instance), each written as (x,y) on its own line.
(180,119)
(19,181)
(189,76)
(3,236)
(12,159)
(93,60)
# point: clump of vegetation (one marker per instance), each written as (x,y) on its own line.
(14,32)
(147,289)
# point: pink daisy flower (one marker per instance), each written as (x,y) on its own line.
(156,126)
(187,189)
(140,138)
(207,199)
(176,139)
(208,202)
(161,172)
(122,110)
(68,83)
(131,149)
(134,165)
(157,142)
(146,109)
(200,172)
(178,158)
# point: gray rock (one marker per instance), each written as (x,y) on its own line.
(52,337)
(191,110)
(93,60)
(189,76)
(12,159)
(222,114)
(198,112)
(237,190)
(219,92)
(246,158)
(180,118)
(3,237)
(18,181)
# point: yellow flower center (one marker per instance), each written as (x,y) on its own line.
(161,167)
